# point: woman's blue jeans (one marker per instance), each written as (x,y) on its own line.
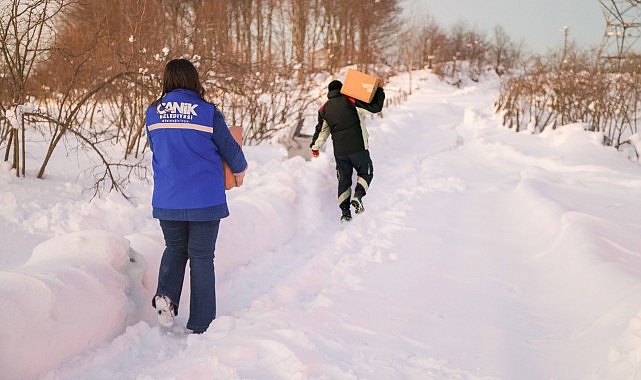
(194,242)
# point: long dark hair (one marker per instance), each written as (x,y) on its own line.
(180,73)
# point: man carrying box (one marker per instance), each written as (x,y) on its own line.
(339,117)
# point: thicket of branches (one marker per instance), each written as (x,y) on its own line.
(574,86)
(88,69)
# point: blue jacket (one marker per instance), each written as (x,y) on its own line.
(188,137)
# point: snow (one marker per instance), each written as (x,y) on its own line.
(482,254)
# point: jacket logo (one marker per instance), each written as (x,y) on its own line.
(176,110)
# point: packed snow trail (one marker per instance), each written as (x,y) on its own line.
(482,254)
(301,302)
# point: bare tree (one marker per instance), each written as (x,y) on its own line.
(413,39)
(504,53)
(434,40)
(26,29)
(299,16)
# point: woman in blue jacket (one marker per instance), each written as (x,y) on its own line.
(189,139)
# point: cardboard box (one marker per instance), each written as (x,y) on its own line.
(359,85)
(230,180)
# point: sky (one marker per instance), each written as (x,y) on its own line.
(538,24)
(482,254)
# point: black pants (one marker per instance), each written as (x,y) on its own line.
(345,165)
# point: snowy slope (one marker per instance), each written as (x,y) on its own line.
(482,254)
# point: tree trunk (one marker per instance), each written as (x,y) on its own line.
(59,132)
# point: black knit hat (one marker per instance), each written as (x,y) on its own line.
(334,85)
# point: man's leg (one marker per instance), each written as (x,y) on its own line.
(365,172)
(344,176)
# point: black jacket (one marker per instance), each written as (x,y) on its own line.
(339,117)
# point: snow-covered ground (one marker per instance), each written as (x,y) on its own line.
(482,254)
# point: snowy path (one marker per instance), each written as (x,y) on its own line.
(482,254)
